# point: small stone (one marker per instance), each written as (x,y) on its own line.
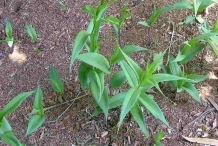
(199,131)
(1,63)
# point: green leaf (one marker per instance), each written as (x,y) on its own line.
(129,101)
(191,90)
(101,10)
(104,102)
(118,56)
(84,71)
(56,81)
(10,139)
(144,23)
(196,78)
(95,60)
(4,126)
(89,9)
(10,41)
(205,4)
(14,104)
(133,65)
(31,32)
(114,102)
(8,29)
(158,60)
(184,4)
(35,122)
(78,46)
(215,28)
(152,107)
(38,101)
(139,118)
(117,80)
(197,4)
(112,20)
(201,37)
(189,19)
(97,86)
(174,67)
(129,73)
(193,51)
(158,138)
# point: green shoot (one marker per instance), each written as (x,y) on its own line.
(63,6)
(56,81)
(9,33)
(31,32)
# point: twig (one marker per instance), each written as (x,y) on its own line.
(208,110)
(54,106)
(171,42)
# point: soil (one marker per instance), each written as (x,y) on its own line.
(22,69)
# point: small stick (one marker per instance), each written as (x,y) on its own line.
(208,110)
(54,106)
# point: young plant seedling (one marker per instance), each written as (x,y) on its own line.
(6,133)
(9,33)
(158,139)
(188,86)
(62,5)
(213,40)
(56,81)
(38,117)
(31,32)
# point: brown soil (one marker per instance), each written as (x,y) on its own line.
(56,31)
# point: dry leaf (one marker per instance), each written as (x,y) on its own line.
(202,140)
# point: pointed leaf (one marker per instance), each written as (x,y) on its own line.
(8,29)
(139,118)
(104,102)
(192,91)
(38,101)
(196,78)
(144,23)
(78,46)
(130,75)
(4,126)
(133,65)
(84,71)
(31,32)
(89,9)
(95,60)
(56,81)
(129,101)
(152,107)
(35,122)
(10,139)
(14,104)
(118,56)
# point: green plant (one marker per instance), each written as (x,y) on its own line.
(196,6)
(175,69)
(9,33)
(31,32)
(158,138)
(95,66)
(38,117)
(63,6)
(6,132)
(213,40)
(192,47)
(56,81)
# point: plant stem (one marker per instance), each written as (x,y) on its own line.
(57,105)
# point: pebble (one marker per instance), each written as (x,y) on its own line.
(1,63)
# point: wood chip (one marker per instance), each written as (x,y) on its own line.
(213,102)
(103,134)
(202,140)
